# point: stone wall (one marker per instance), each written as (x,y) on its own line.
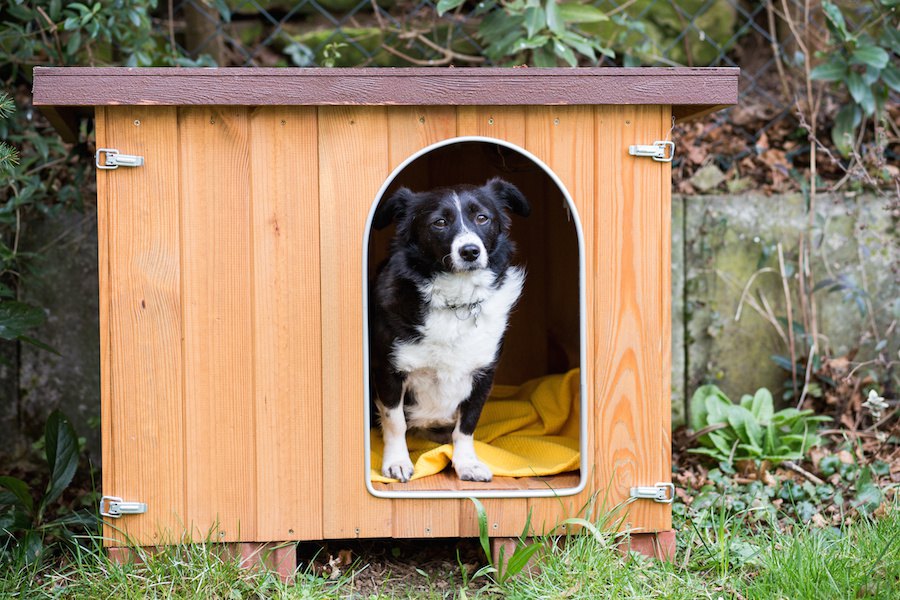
(719,242)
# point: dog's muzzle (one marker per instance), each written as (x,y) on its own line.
(468,253)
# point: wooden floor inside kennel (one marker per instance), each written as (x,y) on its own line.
(231,272)
(447,480)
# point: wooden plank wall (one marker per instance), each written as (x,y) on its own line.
(232,382)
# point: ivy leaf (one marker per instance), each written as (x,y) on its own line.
(446,5)
(870,55)
(868,495)
(581,13)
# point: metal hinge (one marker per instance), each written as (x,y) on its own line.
(661,492)
(658,151)
(114,160)
(111,506)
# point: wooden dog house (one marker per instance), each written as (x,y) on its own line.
(232,269)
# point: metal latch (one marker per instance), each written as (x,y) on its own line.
(114,160)
(658,151)
(661,492)
(111,506)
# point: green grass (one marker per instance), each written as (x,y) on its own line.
(725,560)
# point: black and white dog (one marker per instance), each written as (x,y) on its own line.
(438,313)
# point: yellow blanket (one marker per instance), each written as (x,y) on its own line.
(529,430)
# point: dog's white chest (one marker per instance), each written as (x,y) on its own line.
(465,320)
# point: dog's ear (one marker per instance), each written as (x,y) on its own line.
(392,208)
(509,196)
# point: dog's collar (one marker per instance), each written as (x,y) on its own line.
(463,312)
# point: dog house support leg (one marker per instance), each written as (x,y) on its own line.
(659,544)
(508,544)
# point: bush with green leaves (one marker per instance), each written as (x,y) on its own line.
(752,429)
(863,60)
(542,34)
(26,530)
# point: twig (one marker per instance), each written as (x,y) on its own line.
(806,378)
(790,318)
(773,34)
(766,313)
(172,29)
(801,471)
(737,313)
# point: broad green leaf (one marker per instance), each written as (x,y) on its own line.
(891,76)
(531,44)
(535,20)
(446,5)
(721,443)
(565,53)
(770,441)
(20,490)
(763,407)
(61,446)
(16,318)
(745,425)
(717,410)
(554,21)
(697,407)
(543,56)
(870,75)
(872,56)
(580,44)
(844,130)
(861,93)
(31,547)
(836,20)
(581,13)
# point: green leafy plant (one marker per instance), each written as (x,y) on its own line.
(25,529)
(751,430)
(864,62)
(543,34)
(503,569)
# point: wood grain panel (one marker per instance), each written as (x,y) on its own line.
(218,321)
(287,359)
(563,138)
(140,325)
(353,164)
(412,129)
(632,416)
(507,516)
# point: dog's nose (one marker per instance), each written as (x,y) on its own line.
(469,252)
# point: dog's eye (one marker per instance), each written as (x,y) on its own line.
(440,223)
(482,219)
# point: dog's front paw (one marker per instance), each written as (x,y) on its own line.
(401,469)
(473,471)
